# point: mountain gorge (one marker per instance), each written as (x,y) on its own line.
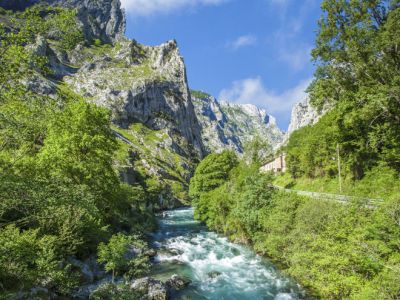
(97,130)
(231,126)
(100,131)
(111,166)
(145,88)
(162,127)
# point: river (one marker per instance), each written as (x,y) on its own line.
(218,268)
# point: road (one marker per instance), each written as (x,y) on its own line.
(344,199)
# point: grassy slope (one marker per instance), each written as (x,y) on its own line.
(381,182)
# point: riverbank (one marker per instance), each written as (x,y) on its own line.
(216,267)
(379,183)
(337,251)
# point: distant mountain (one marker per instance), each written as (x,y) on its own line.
(303,114)
(230,126)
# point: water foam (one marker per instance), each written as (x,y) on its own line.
(240,273)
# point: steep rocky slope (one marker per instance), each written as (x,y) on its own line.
(102,19)
(144,87)
(140,84)
(230,126)
(303,114)
(147,92)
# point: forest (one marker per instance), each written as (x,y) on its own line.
(338,251)
(61,196)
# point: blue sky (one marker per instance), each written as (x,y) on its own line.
(243,51)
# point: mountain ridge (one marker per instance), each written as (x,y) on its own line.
(228,125)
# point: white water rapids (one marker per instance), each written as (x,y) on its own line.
(218,268)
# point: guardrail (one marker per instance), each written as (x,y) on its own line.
(124,139)
(334,197)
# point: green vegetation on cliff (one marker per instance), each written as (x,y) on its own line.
(338,251)
(357,56)
(61,193)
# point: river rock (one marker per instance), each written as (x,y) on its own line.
(214,274)
(89,269)
(169,252)
(151,253)
(154,289)
(177,282)
(175,251)
(157,291)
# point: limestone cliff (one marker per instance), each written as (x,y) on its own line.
(145,88)
(303,114)
(140,84)
(99,19)
(230,126)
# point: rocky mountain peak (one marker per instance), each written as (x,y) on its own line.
(228,125)
(100,19)
(141,84)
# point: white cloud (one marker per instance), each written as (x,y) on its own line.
(253,91)
(150,7)
(243,41)
(297,58)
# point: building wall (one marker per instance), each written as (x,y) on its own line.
(277,165)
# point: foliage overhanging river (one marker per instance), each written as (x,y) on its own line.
(218,268)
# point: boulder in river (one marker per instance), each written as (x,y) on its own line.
(178,282)
(151,253)
(214,274)
(154,289)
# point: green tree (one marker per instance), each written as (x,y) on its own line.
(212,172)
(28,258)
(358,65)
(116,257)
(258,151)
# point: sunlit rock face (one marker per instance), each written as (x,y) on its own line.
(143,84)
(145,89)
(231,126)
(100,19)
(303,114)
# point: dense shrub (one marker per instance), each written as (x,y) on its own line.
(338,251)
(60,194)
(124,254)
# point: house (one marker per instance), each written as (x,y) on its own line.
(276,165)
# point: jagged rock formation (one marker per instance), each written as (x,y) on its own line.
(144,87)
(142,84)
(230,126)
(100,19)
(303,114)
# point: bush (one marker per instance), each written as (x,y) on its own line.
(339,251)
(212,172)
(123,254)
(27,258)
(113,291)
(97,42)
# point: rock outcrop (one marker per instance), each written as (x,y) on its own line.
(142,84)
(100,19)
(230,126)
(144,87)
(177,282)
(153,289)
(303,114)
